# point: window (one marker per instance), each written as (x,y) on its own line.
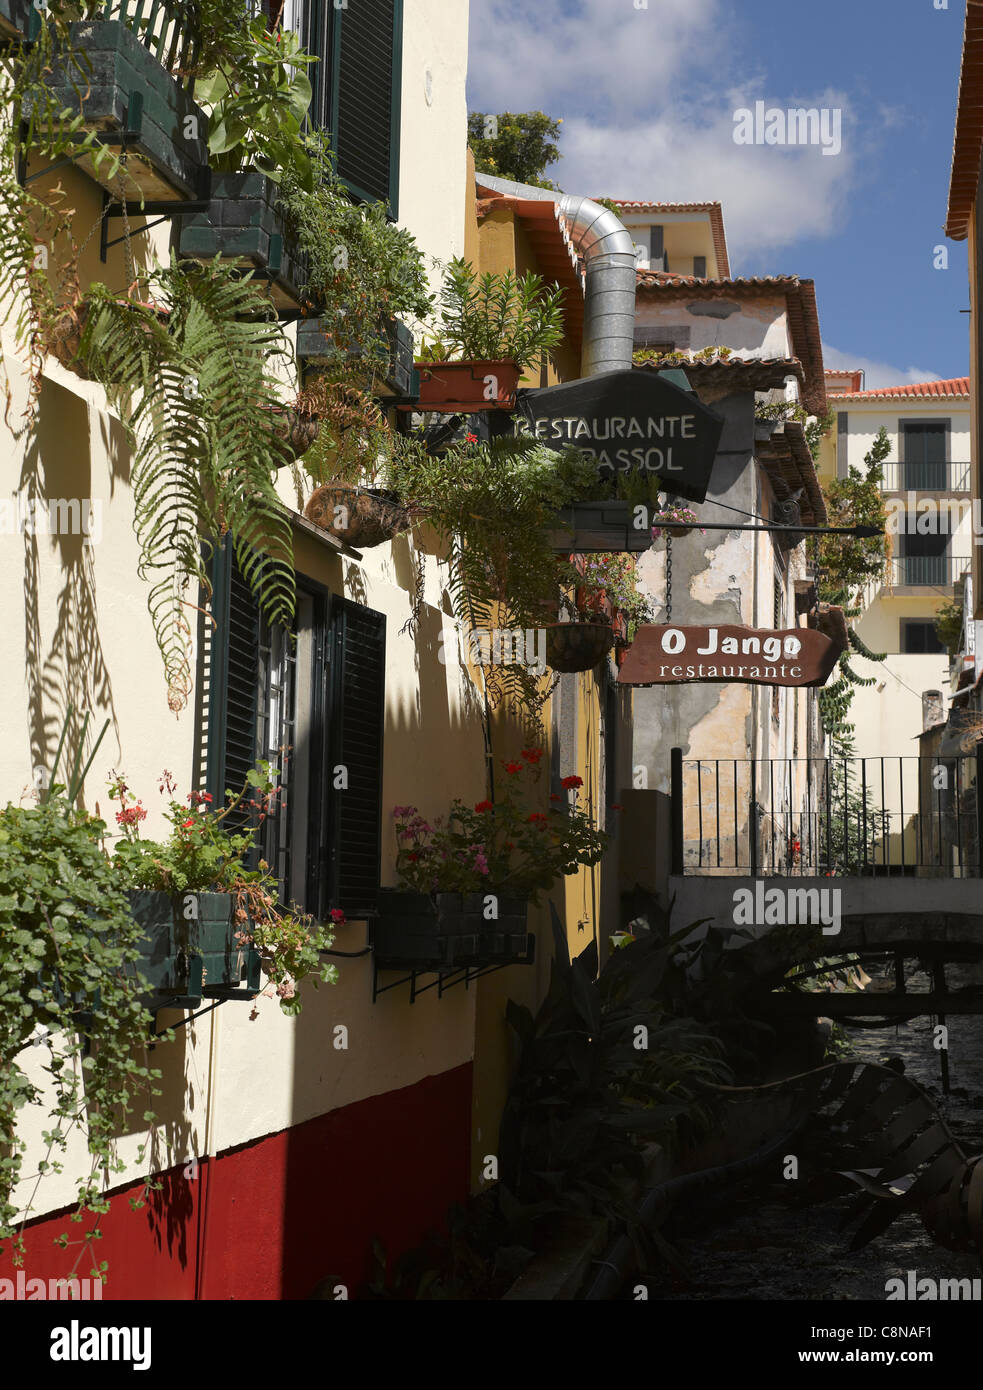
(312,702)
(924,559)
(924,450)
(657,253)
(357,88)
(919,637)
(700,267)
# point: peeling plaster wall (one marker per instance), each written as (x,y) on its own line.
(751,328)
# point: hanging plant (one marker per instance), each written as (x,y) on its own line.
(197,395)
(677,521)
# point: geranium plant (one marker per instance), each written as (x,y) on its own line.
(614,577)
(498,846)
(204,853)
(672,518)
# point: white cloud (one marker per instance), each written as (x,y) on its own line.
(648,100)
(606,57)
(876,374)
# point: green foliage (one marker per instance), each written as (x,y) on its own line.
(362,267)
(613,577)
(257,99)
(852,829)
(67,956)
(522,149)
(502,846)
(491,317)
(949,621)
(816,427)
(195,389)
(585,1096)
(493,506)
(201,854)
(847,565)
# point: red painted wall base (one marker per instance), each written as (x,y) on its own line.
(276,1217)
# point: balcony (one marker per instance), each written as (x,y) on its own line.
(925,571)
(924,476)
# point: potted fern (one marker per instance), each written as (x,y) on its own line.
(196,390)
(491,327)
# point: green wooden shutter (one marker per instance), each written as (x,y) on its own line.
(356,718)
(365,108)
(233,681)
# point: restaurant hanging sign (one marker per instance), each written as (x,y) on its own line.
(675,655)
(632,422)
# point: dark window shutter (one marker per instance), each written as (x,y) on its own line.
(357,716)
(700,267)
(233,681)
(365,118)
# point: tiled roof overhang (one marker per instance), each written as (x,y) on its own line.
(803,316)
(555,256)
(967,149)
(726,375)
(956,388)
(789,466)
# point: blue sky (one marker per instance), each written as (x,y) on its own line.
(648,99)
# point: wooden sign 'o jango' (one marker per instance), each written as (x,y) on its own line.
(676,655)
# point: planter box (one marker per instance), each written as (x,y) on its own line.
(401,380)
(456,387)
(448,931)
(18,19)
(594,527)
(186,960)
(125,93)
(242,224)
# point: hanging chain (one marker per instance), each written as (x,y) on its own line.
(668,577)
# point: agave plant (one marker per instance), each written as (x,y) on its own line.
(190,367)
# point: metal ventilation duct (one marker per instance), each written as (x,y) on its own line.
(609,264)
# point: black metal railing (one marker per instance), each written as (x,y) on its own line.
(782,817)
(165,27)
(926,571)
(921,476)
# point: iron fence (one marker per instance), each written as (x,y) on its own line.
(926,571)
(781,817)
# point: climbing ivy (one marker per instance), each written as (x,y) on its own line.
(847,566)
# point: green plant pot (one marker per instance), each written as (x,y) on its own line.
(242,224)
(600,527)
(398,379)
(448,931)
(188,949)
(123,88)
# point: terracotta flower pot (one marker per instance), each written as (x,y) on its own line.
(460,387)
(357,516)
(577,646)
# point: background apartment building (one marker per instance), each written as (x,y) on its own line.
(927,492)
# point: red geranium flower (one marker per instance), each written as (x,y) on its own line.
(483,806)
(513,768)
(471,438)
(537,818)
(532,755)
(337,915)
(569,782)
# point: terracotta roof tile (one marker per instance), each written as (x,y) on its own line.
(921,390)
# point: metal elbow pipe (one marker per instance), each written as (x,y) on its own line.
(599,236)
